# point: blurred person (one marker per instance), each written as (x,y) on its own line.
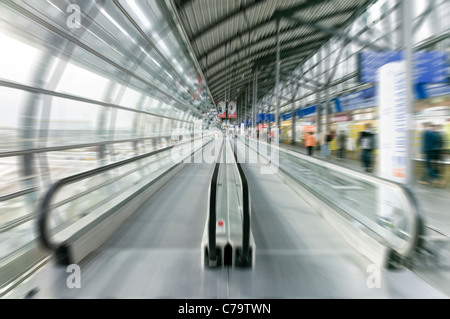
(437,152)
(430,152)
(439,149)
(366,141)
(332,143)
(332,135)
(310,142)
(271,134)
(341,144)
(325,139)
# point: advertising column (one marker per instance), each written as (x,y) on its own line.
(393,132)
(393,138)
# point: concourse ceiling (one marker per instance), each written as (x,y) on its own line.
(234,39)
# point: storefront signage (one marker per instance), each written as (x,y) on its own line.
(342,118)
(363,117)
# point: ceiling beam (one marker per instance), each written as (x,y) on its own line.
(269,54)
(219,86)
(287,12)
(311,37)
(335,31)
(182,3)
(283,32)
(225,18)
(242,82)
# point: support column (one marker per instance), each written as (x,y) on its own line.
(319,114)
(294,115)
(318,98)
(277,83)
(407,20)
(253,104)
(327,90)
(255,97)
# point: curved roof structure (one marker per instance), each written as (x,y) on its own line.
(233,40)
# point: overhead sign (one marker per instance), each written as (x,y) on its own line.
(265,117)
(306,111)
(270,117)
(427,90)
(286,116)
(222,110)
(429,67)
(336,106)
(232,110)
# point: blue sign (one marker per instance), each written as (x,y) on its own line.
(270,117)
(337,106)
(260,117)
(429,67)
(307,111)
(358,100)
(427,90)
(265,117)
(286,116)
(369,98)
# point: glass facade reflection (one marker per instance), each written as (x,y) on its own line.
(73,99)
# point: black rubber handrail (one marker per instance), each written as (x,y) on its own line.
(212,211)
(18,194)
(245,257)
(419,230)
(44,206)
(76,146)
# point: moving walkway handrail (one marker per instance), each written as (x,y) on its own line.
(212,209)
(44,206)
(407,197)
(245,254)
(245,212)
(18,194)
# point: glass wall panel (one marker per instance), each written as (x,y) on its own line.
(81,82)
(125,125)
(70,119)
(70,162)
(18,60)
(131,99)
(10,176)
(443,14)
(151,126)
(11,103)
(124,150)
